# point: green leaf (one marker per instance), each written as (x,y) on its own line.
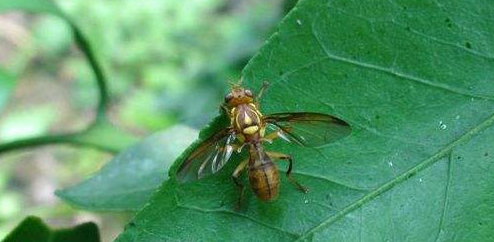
(6,85)
(127,182)
(415,79)
(32,229)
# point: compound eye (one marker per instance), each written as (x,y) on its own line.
(228,97)
(248,93)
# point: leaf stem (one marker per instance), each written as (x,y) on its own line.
(101,80)
(67,138)
(74,138)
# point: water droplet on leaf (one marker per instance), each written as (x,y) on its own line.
(442,125)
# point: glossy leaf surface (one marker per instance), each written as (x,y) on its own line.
(127,182)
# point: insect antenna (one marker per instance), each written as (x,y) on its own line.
(239,83)
(231,84)
(235,85)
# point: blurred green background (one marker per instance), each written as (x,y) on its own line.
(167,62)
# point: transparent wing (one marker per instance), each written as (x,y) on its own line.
(208,158)
(308,129)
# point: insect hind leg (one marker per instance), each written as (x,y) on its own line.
(280,156)
(236,179)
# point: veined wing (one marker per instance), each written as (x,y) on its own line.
(308,129)
(209,157)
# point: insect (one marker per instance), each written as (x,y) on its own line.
(249,128)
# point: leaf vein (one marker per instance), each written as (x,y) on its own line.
(331,180)
(294,235)
(446,195)
(444,42)
(420,34)
(364,127)
(393,72)
(402,177)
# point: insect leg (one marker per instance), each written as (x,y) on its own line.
(235,147)
(261,91)
(235,176)
(270,137)
(274,135)
(276,155)
(224,108)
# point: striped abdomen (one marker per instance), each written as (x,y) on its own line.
(263,176)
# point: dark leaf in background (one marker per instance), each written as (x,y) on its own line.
(32,229)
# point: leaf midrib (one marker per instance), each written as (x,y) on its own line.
(402,177)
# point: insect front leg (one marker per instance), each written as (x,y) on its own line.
(235,176)
(224,108)
(261,91)
(280,156)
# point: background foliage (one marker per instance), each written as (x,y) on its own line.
(166,63)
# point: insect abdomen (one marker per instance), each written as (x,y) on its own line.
(264,180)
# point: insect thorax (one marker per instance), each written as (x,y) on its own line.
(247,120)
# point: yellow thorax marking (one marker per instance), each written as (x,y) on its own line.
(256,110)
(232,116)
(247,120)
(251,130)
